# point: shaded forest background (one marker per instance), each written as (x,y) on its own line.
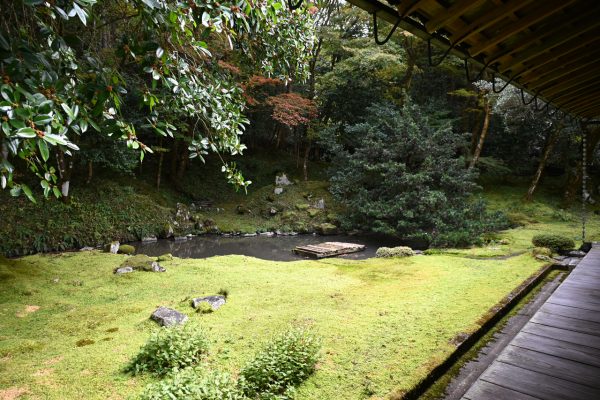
(404,145)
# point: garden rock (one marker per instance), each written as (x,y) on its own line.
(320,204)
(272,211)
(282,180)
(114,247)
(142,262)
(168,317)
(86,248)
(215,302)
(313,212)
(576,253)
(267,234)
(123,270)
(149,239)
(278,190)
(327,229)
(157,268)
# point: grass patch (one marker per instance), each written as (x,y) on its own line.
(384,322)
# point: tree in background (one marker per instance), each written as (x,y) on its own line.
(399,172)
(131,68)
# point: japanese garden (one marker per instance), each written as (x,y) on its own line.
(272,199)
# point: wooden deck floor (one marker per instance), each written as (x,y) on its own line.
(557,353)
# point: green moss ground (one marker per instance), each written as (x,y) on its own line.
(385,323)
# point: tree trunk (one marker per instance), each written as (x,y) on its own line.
(484,129)
(90,172)
(4,150)
(65,170)
(575,176)
(550,142)
(305,166)
(159,173)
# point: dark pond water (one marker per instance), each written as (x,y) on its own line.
(277,248)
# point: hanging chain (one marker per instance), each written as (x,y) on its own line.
(584,194)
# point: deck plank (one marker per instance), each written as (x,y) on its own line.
(571,312)
(560,348)
(551,365)
(562,334)
(536,384)
(556,355)
(487,390)
(572,324)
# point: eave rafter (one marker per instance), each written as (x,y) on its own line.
(549,48)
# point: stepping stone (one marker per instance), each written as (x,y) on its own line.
(123,270)
(168,317)
(215,302)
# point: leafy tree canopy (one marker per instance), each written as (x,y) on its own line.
(133,67)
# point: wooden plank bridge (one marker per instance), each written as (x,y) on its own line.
(556,355)
(328,249)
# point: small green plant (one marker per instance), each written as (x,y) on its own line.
(126,249)
(191,384)
(204,308)
(541,251)
(400,251)
(170,348)
(554,242)
(224,292)
(284,363)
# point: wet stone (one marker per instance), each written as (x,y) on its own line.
(215,302)
(168,317)
(123,270)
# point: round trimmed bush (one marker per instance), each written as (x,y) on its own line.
(399,251)
(554,242)
(126,249)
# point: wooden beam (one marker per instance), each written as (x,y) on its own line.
(550,7)
(572,49)
(405,8)
(591,98)
(573,92)
(488,19)
(571,98)
(561,65)
(569,84)
(562,73)
(536,36)
(451,14)
(590,111)
(572,36)
(569,81)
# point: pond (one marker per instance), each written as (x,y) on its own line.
(276,248)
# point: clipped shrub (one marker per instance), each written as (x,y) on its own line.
(170,348)
(139,262)
(284,363)
(554,242)
(165,257)
(399,251)
(126,249)
(191,384)
(541,251)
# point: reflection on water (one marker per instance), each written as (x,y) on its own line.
(278,248)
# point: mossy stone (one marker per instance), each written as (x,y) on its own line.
(302,206)
(313,212)
(126,249)
(165,257)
